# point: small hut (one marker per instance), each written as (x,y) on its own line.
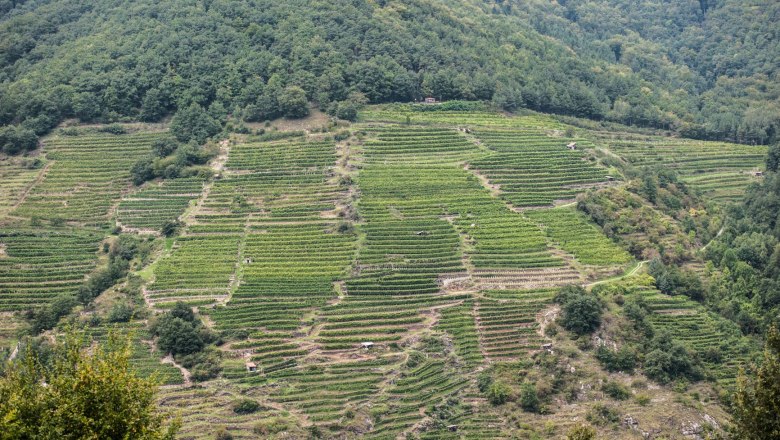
(430,100)
(572,146)
(758,173)
(367,345)
(609,178)
(251,367)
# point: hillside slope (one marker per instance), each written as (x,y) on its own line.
(698,69)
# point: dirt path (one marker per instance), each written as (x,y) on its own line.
(617,278)
(184,372)
(34,183)
(704,248)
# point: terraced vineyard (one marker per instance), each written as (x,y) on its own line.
(17,180)
(86,177)
(720,170)
(532,169)
(37,265)
(332,267)
(158,203)
(698,329)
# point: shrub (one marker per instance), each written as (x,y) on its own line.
(246,406)
(529,399)
(164,147)
(112,129)
(616,391)
(581,432)
(177,336)
(642,399)
(223,434)
(582,314)
(581,310)
(624,359)
(120,312)
(602,414)
(194,123)
(293,102)
(415,358)
(484,380)
(498,393)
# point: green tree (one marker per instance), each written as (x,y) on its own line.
(82,392)
(757,401)
(581,314)
(194,123)
(293,103)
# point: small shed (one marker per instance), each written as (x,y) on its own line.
(367,345)
(758,173)
(572,146)
(430,100)
(548,347)
(452,428)
(251,367)
(609,178)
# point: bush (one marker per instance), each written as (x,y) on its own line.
(120,312)
(582,314)
(246,406)
(602,414)
(164,147)
(642,399)
(616,391)
(529,399)
(624,359)
(112,129)
(171,227)
(414,359)
(581,432)
(498,393)
(177,336)
(223,434)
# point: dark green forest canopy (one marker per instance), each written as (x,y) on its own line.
(704,68)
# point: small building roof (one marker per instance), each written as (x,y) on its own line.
(251,365)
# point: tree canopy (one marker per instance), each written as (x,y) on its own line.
(81,391)
(675,67)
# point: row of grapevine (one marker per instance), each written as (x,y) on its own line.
(87,176)
(37,265)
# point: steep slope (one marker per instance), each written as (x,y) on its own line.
(112,59)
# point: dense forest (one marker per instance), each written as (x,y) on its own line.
(700,68)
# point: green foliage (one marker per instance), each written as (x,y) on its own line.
(616,390)
(293,103)
(669,360)
(569,60)
(757,400)
(529,398)
(581,311)
(581,432)
(601,414)
(177,336)
(15,139)
(120,312)
(164,147)
(246,406)
(83,393)
(193,123)
(498,392)
(623,359)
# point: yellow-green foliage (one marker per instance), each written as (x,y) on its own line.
(84,393)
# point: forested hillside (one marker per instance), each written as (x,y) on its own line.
(704,69)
